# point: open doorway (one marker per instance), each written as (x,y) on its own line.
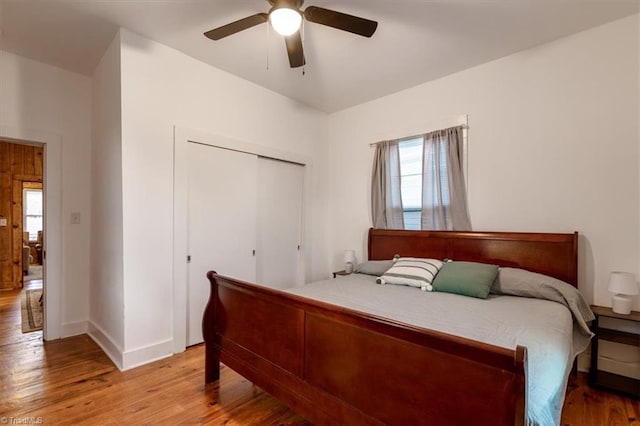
(22,215)
(51,143)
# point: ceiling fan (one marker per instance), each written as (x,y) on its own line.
(286,16)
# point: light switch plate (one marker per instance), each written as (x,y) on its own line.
(3,221)
(75,218)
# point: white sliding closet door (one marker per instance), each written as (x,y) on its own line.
(280,188)
(222,223)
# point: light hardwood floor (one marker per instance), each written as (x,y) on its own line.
(71,381)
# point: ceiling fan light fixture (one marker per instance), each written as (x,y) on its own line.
(285,21)
(286,16)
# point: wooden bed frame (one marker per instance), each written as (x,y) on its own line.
(334,365)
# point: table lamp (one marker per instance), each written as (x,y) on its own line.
(624,286)
(349,260)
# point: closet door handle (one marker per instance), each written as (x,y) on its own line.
(254,252)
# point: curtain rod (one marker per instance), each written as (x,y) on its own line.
(464,126)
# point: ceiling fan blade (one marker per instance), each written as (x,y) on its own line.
(294,49)
(237,26)
(341,21)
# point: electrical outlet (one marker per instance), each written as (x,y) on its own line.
(75,218)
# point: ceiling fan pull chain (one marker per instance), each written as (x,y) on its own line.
(302,33)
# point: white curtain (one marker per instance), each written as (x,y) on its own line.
(444,196)
(386,199)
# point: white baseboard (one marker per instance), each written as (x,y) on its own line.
(126,360)
(107,344)
(146,354)
(74,328)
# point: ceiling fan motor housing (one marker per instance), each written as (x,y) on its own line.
(291,4)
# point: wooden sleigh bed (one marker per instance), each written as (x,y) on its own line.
(334,365)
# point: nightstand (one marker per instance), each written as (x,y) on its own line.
(603,379)
(343,272)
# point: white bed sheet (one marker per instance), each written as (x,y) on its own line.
(544,327)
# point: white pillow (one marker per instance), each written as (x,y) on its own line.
(411,271)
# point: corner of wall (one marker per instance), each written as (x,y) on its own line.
(106,343)
(106,259)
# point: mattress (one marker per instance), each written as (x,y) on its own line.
(544,327)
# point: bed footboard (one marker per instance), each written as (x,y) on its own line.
(337,366)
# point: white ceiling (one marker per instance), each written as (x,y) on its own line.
(416,41)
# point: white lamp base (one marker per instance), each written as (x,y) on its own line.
(621,304)
(348,267)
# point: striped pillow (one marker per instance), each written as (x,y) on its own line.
(413,272)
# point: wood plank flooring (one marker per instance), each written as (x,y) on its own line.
(71,381)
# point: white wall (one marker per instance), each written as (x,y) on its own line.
(107,287)
(163,88)
(553,147)
(44,99)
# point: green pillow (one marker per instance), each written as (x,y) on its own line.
(466,278)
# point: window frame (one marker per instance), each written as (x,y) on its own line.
(26,214)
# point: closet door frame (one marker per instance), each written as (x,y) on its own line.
(182,136)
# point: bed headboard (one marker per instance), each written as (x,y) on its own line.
(555,255)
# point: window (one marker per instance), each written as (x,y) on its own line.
(32,204)
(411,153)
(411,181)
(418,182)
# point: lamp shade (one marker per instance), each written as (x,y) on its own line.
(349,256)
(285,21)
(623,283)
